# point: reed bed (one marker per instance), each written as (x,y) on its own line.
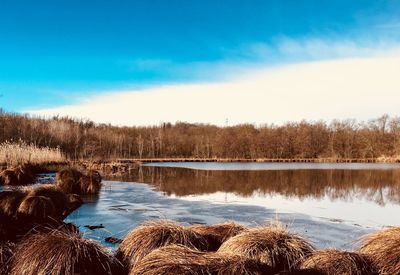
(335,262)
(272,245)
(152,235)
(60,252)
(178,259)
(20,153)
(383,247)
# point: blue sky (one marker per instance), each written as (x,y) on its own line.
(54,53)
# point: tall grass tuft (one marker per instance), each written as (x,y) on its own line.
(14,154)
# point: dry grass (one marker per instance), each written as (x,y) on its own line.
(63,203)
(152,235)
(217,234)
(37,208)
(177,259)
(383,247)
(10,201)
(59,252)
(335,262)
(20,175)
(21,153)
(6,252)
(89,185)
(272,245)
(72,181)
(68,180)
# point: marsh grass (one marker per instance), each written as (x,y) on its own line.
(383,247)
(271,244)
(14,154)
(153,235)
(333,261)
(62,252)
(178,259)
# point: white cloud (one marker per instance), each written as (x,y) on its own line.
(361,88)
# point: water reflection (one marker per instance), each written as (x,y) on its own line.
(377,186)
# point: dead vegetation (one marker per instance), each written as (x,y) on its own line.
(272,245)
(383,247)
(20,175)
(37,208)
(21,153)
(335,262)
(59,252)
(72,181)
(217,234)
(10,201)
(68,180)
(152,235)
(6,252)
(64,203)
(177,259)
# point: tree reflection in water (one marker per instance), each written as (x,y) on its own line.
(379,186)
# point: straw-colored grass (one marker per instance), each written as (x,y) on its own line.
(20,153)
(20,175)
(272,245)
(217,234)
(64,203)
(89,185)
(6,252)
(177,259)
(72,181)
(37,208)
(60,252)
(383,247)
(152,235)
(68,180)
(335,262)
(10,201)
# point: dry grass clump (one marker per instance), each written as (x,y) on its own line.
(10,201)
(64,203)
(152,235)
(217,234)
(272,245)
(20,175)
(58,252)
(335,262)
(68,180)
(37,208)
(383,248)
(89,185)
(177,259)
(74,182)
(21,153)
(6,252)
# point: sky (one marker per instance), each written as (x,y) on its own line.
(211,61)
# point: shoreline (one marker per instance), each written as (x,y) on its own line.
(267,160)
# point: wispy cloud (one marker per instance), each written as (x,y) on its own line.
(362,87)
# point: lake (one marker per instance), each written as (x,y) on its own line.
(332,204)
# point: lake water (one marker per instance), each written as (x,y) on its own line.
(332,204)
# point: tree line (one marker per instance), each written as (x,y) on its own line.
(84,139)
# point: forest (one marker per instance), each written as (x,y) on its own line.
(83,139)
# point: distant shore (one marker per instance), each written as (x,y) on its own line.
(275,160)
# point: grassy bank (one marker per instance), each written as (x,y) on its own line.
(13,154)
